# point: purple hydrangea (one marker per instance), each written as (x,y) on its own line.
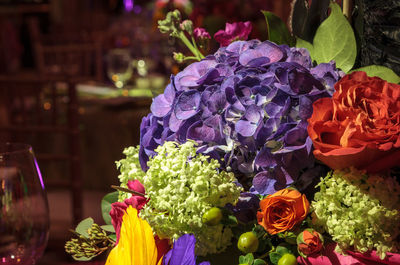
(247,105)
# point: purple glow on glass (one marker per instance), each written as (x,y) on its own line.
(137,9)
(39,173)
(128,4)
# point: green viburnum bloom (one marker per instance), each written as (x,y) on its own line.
(182,186)
(129,170)
(359,210)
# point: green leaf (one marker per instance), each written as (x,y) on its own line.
(229,220)
(305,44)
(277,30)
(259,262)
(248,259)
(380,71)
(335,40)
(108,228)
(83,226)
(282,250)
(289,237)
(106,205)
(274,257)
(113,237)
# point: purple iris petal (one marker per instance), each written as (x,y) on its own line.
(187,105)
(182,252)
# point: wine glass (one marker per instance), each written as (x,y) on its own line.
(24,212)
(119,67)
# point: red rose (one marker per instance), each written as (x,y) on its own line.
(359,126)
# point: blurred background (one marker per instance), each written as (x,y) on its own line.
(76,78)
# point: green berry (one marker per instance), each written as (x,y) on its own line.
(212,217)
(287,259)
(248,242)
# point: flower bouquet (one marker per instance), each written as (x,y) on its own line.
(261,153)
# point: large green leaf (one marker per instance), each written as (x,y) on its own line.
(380,71)
(277,30)
(106,205)
(334,40)
(83,227)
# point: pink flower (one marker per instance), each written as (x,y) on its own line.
(233,32)
(330,257)
(201,33)
(118,208)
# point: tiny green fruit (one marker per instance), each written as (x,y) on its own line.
(248,242)
(287,259)
(212,217)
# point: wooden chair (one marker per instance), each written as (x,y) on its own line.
(32,106)
(34,110)
(75,55)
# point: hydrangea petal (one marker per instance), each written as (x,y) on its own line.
(187,105)
(268,50)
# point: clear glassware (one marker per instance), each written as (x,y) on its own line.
(119,67)
(24,211)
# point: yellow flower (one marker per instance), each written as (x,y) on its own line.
(136,244)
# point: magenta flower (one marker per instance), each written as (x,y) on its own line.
(201,33)
(118,208)
(233,32)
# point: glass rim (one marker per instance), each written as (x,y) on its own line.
(10,148)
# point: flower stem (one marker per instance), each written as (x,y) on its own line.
(347,8)
(188,44)
(127,190)
(190,58)
(198,50)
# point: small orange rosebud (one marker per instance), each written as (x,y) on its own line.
(309,242)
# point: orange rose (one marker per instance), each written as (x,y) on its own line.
(359,126)
(282,210)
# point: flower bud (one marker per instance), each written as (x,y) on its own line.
(187,25)
(179,57)
(309,242)
(201,33)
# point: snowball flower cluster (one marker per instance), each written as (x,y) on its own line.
(130,169)
(359,210)
(182,186)
(247,105)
